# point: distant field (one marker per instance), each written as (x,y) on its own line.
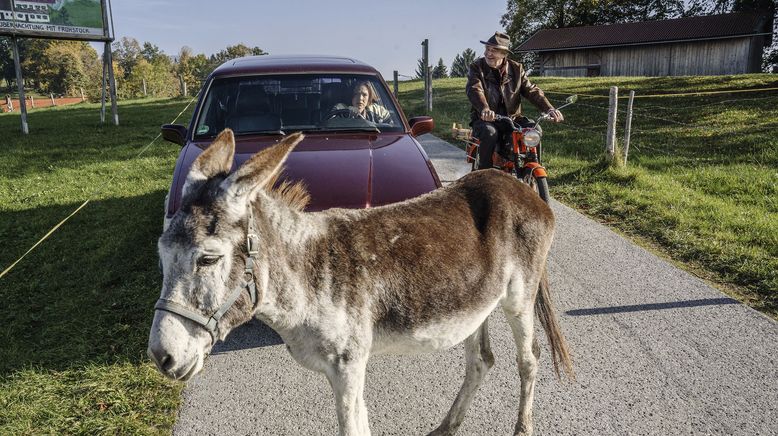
(83,13)
(76,311)
(701,185)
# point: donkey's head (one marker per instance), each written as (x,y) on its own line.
(209,255)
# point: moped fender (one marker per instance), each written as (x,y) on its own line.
(536,169)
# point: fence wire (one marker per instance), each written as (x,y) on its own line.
(653,122)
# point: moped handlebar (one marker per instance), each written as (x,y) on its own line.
(542,117)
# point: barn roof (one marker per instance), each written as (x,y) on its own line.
(646,32)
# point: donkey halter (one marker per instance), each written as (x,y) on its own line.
(211,324)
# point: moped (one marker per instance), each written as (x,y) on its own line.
(520,154)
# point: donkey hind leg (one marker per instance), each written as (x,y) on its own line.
(527,353)
(478,360)
(348,384)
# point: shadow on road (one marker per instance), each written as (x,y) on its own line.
(652,306)
(253,334)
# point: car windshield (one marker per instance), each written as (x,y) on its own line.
(288,103)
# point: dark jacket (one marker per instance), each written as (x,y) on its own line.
(485,86)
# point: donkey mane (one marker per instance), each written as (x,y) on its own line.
(293,194)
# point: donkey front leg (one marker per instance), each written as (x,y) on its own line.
(478,361)
(528,351)
(347,378)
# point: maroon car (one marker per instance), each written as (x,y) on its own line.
(347,159)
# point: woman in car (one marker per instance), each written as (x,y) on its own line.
(364,105)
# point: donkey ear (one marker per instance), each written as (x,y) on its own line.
(256,172)
(216,159)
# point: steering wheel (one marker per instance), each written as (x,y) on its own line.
(341,113)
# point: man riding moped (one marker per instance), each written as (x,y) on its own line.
(495,86)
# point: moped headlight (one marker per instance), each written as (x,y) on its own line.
(531,138)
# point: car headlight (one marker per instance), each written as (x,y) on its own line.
(531,138)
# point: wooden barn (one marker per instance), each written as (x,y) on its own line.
(707,45)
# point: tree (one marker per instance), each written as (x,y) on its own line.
(462,63)
(421,70)
(7,62)
(127,53)
(193,68)
(151,52)
(68,66)
(440,71)
(233,52)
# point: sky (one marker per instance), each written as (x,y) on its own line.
(384,34)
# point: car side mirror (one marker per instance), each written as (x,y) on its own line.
(421,125)
(174,133)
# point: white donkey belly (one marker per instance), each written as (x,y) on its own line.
(438,335)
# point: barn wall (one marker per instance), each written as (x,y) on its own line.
(715,57)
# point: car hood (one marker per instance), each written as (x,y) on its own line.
(350,171)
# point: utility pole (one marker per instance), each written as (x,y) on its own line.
(425,58)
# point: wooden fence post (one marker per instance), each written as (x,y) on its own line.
(53,103)
(396,86)
(144,88)
(32,101)
(429,94)
(610,141)
(10,103)
(82,94)
(628,126)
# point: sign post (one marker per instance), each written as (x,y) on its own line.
(20,85)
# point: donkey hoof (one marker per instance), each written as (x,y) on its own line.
(440,431)
(524,431)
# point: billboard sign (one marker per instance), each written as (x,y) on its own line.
(59,19)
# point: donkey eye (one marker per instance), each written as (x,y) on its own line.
(208,260)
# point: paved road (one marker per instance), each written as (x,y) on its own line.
(657,352)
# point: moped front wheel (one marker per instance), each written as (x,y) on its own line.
(538,184)
(541,187)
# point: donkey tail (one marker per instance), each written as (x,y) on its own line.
(544,308)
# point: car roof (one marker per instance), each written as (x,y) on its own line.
(285,64)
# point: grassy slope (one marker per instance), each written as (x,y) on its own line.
(702,181)
(76,311)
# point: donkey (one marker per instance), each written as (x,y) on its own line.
(340,285)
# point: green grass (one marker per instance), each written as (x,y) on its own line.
(81,13)
(76,311)
(701,184)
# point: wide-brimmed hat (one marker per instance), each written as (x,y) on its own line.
(499,40)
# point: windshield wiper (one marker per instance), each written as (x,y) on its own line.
(345,129)
(262,132)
